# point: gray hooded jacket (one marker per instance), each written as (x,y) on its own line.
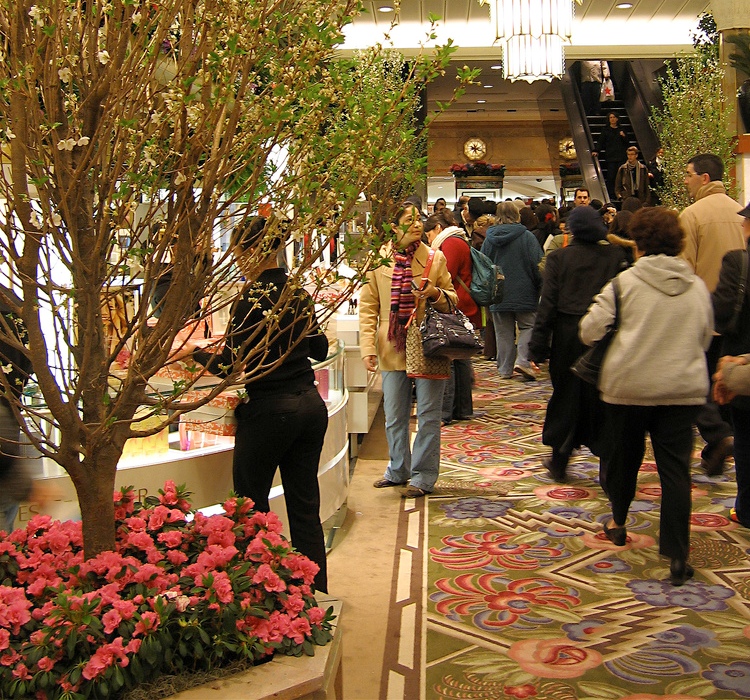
(657,356)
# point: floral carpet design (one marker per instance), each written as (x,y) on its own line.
(526,598)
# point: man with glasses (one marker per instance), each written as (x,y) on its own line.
(712,228)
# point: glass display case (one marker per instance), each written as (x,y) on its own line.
(329,375)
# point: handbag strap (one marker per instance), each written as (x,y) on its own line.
(425,273)
(616,290)
(741,287)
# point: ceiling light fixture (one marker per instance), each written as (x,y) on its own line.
(385,8)
(481,102)
(623,6)
(497,67)
(532,34)
(488,87)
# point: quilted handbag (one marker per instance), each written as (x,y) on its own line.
(448,334)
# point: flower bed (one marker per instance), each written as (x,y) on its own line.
(478,167)
(182,592)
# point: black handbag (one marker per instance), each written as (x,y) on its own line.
(449,334)
(588,366)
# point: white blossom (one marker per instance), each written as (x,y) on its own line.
(36,14)
(103,57)
(65,74)
(7,368)
(66,144)
(9,134)
(179,179)
(35,221)
(56,219)
(83,141)
(136,19)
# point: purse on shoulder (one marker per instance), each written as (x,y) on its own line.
(589,365)
(449,334)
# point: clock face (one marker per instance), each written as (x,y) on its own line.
(475,149)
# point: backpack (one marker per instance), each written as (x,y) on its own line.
(487,279)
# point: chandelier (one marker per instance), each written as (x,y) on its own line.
(532,34)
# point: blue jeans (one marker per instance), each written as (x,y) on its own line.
(421,463)
(508,356)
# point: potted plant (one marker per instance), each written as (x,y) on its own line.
(181,592)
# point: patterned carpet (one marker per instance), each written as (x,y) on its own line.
(526,598)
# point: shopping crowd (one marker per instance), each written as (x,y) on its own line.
(668,290)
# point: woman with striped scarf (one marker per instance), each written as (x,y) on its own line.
(392,291)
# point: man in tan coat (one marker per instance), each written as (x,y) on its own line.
(712,228)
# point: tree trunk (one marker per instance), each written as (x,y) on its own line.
(95,484)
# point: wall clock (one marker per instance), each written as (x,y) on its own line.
(475,148)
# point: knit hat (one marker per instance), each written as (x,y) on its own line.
(585,224)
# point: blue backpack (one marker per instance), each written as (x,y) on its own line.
(487,279)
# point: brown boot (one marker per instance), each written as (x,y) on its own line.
(713,456)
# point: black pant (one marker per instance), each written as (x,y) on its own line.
(671,431)
(713,420)
(285,431)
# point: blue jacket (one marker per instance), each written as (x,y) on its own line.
(517,251)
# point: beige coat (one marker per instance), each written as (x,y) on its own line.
(712,228)
(375,305)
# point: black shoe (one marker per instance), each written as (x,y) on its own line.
(714,456)
(616,535)
(679,572)
(556,471)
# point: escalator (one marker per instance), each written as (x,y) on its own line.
(636,90)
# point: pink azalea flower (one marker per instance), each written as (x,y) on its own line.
(176,558)
(269,578)
(4,639)
(299,628)
(316,615)
(21,672)
(14,608)
(173,538)
(149,621)
(301,567)
(46,664)
(111,620)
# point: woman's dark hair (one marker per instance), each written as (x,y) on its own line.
(444,217)
(615,115)
(620,225)
(547,217)
(529,219)
(657,230)
(631,204)
(402,210)
(251,232)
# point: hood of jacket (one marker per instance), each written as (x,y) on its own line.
(669,275)
(502,234)
(713,187)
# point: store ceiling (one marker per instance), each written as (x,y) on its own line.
(649,29)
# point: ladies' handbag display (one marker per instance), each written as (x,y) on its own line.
(589,365)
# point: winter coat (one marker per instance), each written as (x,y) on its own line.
(712,228)
(573,276)
(375,305)
(517,252)
(666,325)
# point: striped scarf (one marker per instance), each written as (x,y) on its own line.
(402,298)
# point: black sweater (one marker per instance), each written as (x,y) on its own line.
(268,339)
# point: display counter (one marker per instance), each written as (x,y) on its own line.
(207,469)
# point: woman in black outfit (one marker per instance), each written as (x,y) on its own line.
(614,142)
(572,277)
(283,421)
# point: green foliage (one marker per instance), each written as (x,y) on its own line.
(692,120)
